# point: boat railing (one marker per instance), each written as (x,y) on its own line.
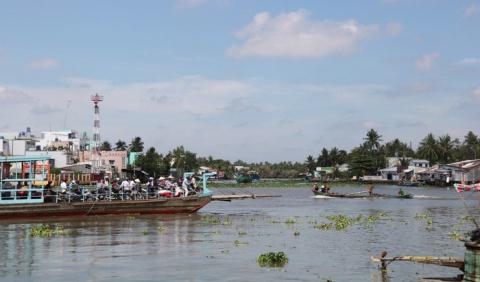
(83,193)
(21,195)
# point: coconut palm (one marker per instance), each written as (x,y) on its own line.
(373,139)
(445,149)
(120,146)
(428,149)
(136,145)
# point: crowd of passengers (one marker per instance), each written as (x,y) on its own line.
(127,188)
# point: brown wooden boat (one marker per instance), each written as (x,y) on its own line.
(176,205)
(362,196)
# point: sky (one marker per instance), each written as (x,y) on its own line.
(239,79)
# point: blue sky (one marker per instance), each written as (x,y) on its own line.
(251,80)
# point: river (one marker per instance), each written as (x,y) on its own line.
(223,240)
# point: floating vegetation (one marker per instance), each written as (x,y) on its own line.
(272,259)
(274,221)
(225,251)
(455,235)
(162,229)
(45,230)
(426,217)
(242,233)
(238,243)
(342,222)
(145,232)
(290,221)
(323,226)
(296,233)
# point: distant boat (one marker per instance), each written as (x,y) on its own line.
(248,177)
(409,183)
(365,195)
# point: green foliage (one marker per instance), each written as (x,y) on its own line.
(120,146)
(45,230)
(106,146)
(136,145)
(272,259)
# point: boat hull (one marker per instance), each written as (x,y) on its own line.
(352,196)
(181,205)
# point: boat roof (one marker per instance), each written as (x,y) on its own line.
(13,159)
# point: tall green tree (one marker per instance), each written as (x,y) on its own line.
(136,145)
(120,146)
(428,149)
(372,140)
(446,149)
(471,146)
(106,146)
(150,162)
(310,162)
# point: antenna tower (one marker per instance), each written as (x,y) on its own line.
(95,148)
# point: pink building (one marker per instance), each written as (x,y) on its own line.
(108,159)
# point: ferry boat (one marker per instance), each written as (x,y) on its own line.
(23,195)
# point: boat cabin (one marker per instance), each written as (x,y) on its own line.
(22,179)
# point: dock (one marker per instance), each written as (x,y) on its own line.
(241,197)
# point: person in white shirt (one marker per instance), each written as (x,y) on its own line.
(63,186)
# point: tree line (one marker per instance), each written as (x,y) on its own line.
(365,159)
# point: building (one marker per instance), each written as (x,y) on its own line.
(58,140)
(58,159)
(110,161)
(390,173)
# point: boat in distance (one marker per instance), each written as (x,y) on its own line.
(362,196)
(23,195)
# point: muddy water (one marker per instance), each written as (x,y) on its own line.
(223,240)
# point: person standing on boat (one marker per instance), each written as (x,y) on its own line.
(63,186)
(370,189)
(315,187)
(185,184)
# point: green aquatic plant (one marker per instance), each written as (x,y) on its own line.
(242,233)
(238,243)
(272,259)
(323,226)
(455,235)
(45,230)
(145,232)
(290,221)
(296,233)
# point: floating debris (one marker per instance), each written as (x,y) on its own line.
(272,259)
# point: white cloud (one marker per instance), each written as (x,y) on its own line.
(471,10)
(425,63)
(469,62)
(394,28)
(43,64)
(294,34)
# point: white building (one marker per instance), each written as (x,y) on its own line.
(59,158)
(58,139)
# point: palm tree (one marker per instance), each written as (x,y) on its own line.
(120,146)
(428,149)
(136,145)
(373,139)
(445,149)
(106,146)
(471,144)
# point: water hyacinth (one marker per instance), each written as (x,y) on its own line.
(272,259)
(45,230)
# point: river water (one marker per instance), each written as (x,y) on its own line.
(223,240)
